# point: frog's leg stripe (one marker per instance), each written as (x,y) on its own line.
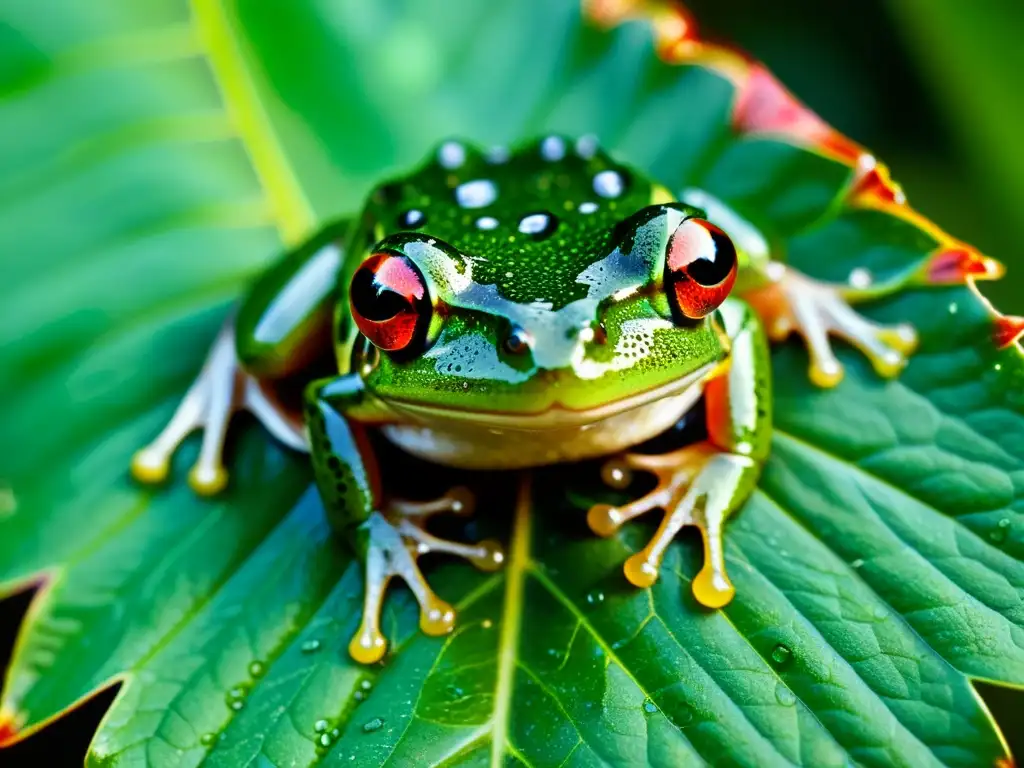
(221,388)
(396,539)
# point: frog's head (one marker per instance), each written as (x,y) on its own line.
(550,285)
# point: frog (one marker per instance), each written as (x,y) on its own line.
(513,308)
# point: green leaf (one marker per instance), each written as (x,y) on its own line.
(154,156)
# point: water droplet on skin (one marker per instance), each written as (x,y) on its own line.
(451,155)
(586,146)
(781,654)
(321,726)
(310,646)
(496,155)
(784,696)
(552,149)
(486,223)
(650,707)
(860,278)
(257,668)
(373,725)
(609,184)
(538,225)
(476,194)
(207,739)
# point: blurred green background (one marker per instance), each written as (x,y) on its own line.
(931,86)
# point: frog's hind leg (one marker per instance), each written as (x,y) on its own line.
(221,389)
(396,538)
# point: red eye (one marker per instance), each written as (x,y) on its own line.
(390,302)
(700,268)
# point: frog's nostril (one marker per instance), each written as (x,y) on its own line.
(518,342)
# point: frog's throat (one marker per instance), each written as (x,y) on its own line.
(555,415)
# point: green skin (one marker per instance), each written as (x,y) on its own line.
(581,291)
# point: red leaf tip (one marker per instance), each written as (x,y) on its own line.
(1008,329)
(953,266)
(8,729)
(873,186)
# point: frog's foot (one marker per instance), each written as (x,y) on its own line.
(696,485)
(221,388)
(396,539)
(795,303)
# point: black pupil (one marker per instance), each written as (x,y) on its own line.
(708,272)
(374,301)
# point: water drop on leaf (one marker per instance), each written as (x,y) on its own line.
(650,707)
(310,646)
(784,696)
(373,725)
(781,654)
(320,726)
(257,668)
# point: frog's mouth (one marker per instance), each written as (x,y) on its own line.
(557,415)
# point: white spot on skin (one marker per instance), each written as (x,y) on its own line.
(451,155)
(609,184)
(586,146)
(587,207)
(552,149)
(478,193)
(535,223)
(860,278)
(486,222)
(496,155)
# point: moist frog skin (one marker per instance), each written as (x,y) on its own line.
(504,309)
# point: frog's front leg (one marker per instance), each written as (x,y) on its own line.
(790,302)
(703,484)
(388,534)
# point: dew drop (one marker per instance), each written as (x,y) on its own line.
(487,223)
(860,278)
(781,654)
(257,669)
(325,740)
(373,725)
(859,562)
(496,155)
(1001,531)
(237,704)
(953,308)
(609,184)
(411,219)
(552,148)
(538,225)
(454,691)
(998,366)
(366,685)
(587,207)
(487,624)
(880,613)
(476,194)
(586,146)
(595,597)
(451,155)
(784,696)
(310,646)
(207,739)
(650,707)
(321,726)
(359,695)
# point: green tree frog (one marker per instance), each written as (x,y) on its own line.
(508,309)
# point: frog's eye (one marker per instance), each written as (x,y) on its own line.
(390,302)
(700,268)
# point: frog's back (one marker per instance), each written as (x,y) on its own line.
(532,219)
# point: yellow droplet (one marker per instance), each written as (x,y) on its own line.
(826,378)
(462,500)
(640,571)
(493,556)
(147,470)
(438,618)
(367,646)
(712,589)
(207,481)
(603,519)
(616,474)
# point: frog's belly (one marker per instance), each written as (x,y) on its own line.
(478,446)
